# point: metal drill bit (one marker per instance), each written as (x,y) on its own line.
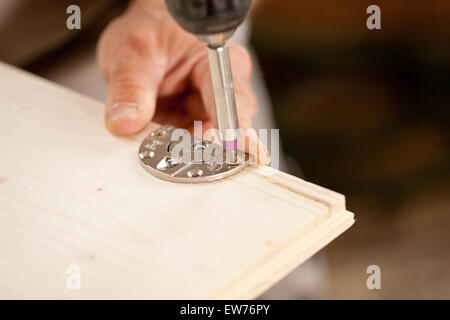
(219,64)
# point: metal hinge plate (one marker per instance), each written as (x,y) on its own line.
(157,158)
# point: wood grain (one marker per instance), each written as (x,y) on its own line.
(73,194)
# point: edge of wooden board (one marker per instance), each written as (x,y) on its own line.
(284,261)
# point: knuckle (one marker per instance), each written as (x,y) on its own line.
(139,42)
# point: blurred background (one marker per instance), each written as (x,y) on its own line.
(367,113)
(363,112)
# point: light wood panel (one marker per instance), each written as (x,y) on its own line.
(73,194)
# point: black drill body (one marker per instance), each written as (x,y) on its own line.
(207,17)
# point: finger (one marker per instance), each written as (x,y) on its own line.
(242,68)
(248,140)
(133,80)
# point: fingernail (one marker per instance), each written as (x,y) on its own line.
(123,110)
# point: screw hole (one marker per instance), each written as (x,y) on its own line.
(194,173)
(146,154)
(200,145)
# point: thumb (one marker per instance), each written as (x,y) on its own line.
(132,94)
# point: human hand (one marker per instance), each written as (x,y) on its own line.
(157,71)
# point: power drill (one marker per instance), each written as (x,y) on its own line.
(214,21)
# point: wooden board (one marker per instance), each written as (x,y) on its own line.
(73,194)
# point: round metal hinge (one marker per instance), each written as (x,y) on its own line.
(199,161)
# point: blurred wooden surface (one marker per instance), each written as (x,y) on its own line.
(73,194)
